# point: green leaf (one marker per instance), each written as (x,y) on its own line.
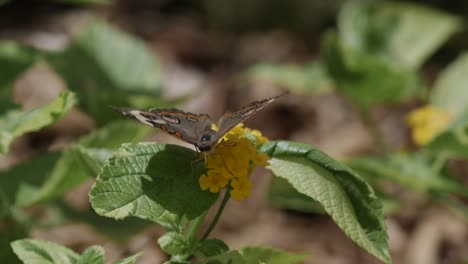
(453,141)
(379,47)
(254,255)
(7,235)
(282,195)
(449,91)
(88,156)
(49,176)
(420,32)
(15,123)
(130,260)
(43,252)
(148,179)
(309,78)
(118,67)
(173,243)
(177,262)
(14,60)
(211,247)
(366,78)
(412,171)
(406,32)
(92,255)
(363,28)
(118,231)
(345,196)
(32,251)
(19,184)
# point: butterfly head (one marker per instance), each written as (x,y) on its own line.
(207,140)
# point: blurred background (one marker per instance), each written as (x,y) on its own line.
(381,86)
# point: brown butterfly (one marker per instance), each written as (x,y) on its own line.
(192,128)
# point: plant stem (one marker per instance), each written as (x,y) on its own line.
(217,216)
(192,232)
(373,130)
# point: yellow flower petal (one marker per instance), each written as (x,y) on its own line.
(231,161)
(427,122)
(241,189)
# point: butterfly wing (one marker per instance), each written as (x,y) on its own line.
(231,119)
(187,126)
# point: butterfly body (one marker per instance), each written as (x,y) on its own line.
(195,129)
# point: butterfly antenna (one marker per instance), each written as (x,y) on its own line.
(278,96)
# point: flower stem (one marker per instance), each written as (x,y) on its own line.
(192,232)
(217,216)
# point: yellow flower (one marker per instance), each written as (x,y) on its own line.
(427,122)
(232,160)
(212,180)
(240,189)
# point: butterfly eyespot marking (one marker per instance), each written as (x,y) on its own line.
(171,119)
(191,119)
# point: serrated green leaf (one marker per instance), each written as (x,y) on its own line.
(449,91)
(146,179)
(130,260)
(345,196)
(282,195)
(88,155)
(49,176)
(412,171)
(173,243)
(92,255)
(309,78)
(257,255)
(211,247)
(15,123)
(43,252)
(117,67)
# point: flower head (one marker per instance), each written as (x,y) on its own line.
(427,122)
(232,160)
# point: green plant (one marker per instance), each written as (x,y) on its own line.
(375,57)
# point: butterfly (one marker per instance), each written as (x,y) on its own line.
(195,129)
